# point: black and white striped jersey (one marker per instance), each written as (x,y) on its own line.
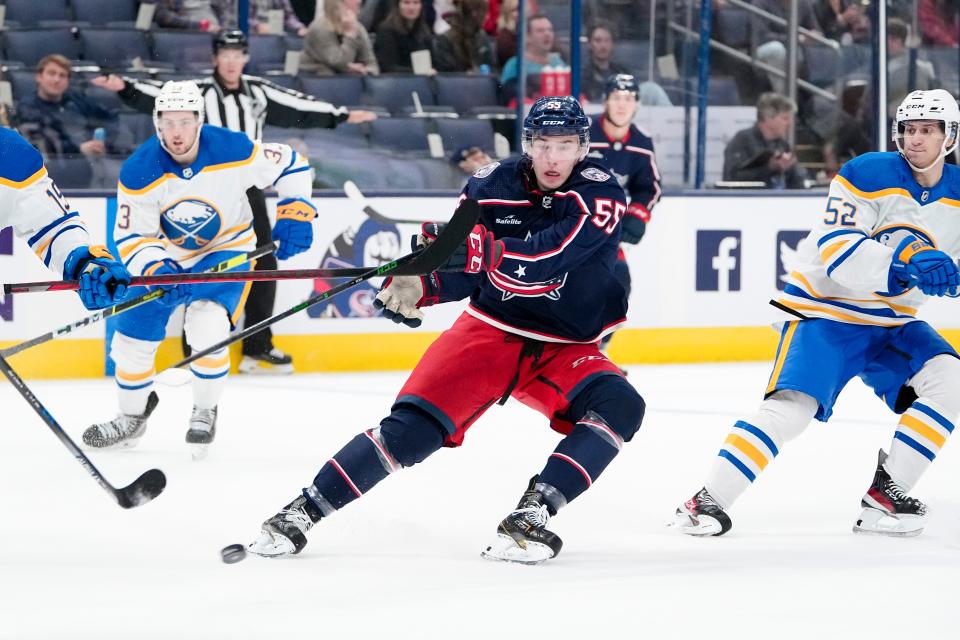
(248,108)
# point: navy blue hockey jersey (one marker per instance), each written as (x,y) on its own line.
(556,281)
(632,161)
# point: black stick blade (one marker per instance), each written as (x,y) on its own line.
(142,490)
(454,234)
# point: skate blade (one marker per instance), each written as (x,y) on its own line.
(879,523)
(505,549)
(699,527)
(198,451)
(123,444)
(267,370)
(269,546)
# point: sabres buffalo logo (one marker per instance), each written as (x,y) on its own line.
(191,223)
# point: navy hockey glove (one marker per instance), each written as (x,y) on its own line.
(175,293)
(103,279)
(294,227)
(634,223)
(916,263)
(401,298)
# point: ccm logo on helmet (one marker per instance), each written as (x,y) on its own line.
(547,123)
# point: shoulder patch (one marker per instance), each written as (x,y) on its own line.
(592,173)
(486,170)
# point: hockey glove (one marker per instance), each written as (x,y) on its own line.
(479,252)
(634,223)
(103,279)
(916,263)
(401,297)
(294,227)
(174,293)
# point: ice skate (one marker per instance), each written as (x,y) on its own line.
(272,362)
(285,533)
(702,516)
(123,431)
(888,510)
(522,536)
(203,429)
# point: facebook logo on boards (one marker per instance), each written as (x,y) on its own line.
(6,249)
(718,260)
(787,242)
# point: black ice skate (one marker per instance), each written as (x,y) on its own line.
(272,362)
(203,429)
(285,533)
(121,432)
(702,516)
(887,509)
(522,536)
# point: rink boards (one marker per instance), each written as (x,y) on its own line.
(702,279)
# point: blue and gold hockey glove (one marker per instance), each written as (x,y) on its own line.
(294,227)
(916,263)
(634,223)
(401,298)
(174,293)
(103,279)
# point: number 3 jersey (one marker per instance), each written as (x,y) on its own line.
(31,203)
(874,202)
(556,280)
(166,210)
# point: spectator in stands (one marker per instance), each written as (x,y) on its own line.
(62,122)
(762,153)
(337,43)
(470,158)
(506,28)
(599,66)
(939,22)
(202,15)
(374,12)
(404,31)
(538,53)
(772,38)
(898,61)
(260,14)
(465,47)
(842,20)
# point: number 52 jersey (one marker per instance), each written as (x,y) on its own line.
(873,204)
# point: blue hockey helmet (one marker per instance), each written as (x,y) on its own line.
(556,116)
(621,82)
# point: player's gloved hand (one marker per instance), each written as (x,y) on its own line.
(479,252)
(428,233)
(294,227)
(401,297)
(174,294)
(634,223)
(916,263)
(103,279)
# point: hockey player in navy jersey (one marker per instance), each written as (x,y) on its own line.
(617,144)
(32,204)
(887,241)
(538,270)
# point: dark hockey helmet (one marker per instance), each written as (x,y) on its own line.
(230,39)
(556,116)
(621,82)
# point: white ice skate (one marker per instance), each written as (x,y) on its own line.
(701,516)
(285,533)
(887,509)
(203,429)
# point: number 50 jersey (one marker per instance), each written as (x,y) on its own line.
(166,210)
(842,266)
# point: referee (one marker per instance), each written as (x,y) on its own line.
(245,103)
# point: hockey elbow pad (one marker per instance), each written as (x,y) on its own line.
(294,227)
(103,279)
(916,263)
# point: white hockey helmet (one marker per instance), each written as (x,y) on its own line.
(178,96)
(937,105)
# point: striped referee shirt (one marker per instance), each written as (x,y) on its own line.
(248,108)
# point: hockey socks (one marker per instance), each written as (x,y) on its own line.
(921,433)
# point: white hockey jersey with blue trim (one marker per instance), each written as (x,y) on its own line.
(32,204)
(166,210)
(874,202)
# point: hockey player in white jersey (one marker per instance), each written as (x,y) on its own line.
(182,206)
(890,227)
(32,204)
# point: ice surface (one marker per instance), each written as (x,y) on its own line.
(404,562)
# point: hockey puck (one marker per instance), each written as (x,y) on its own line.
(233,553)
